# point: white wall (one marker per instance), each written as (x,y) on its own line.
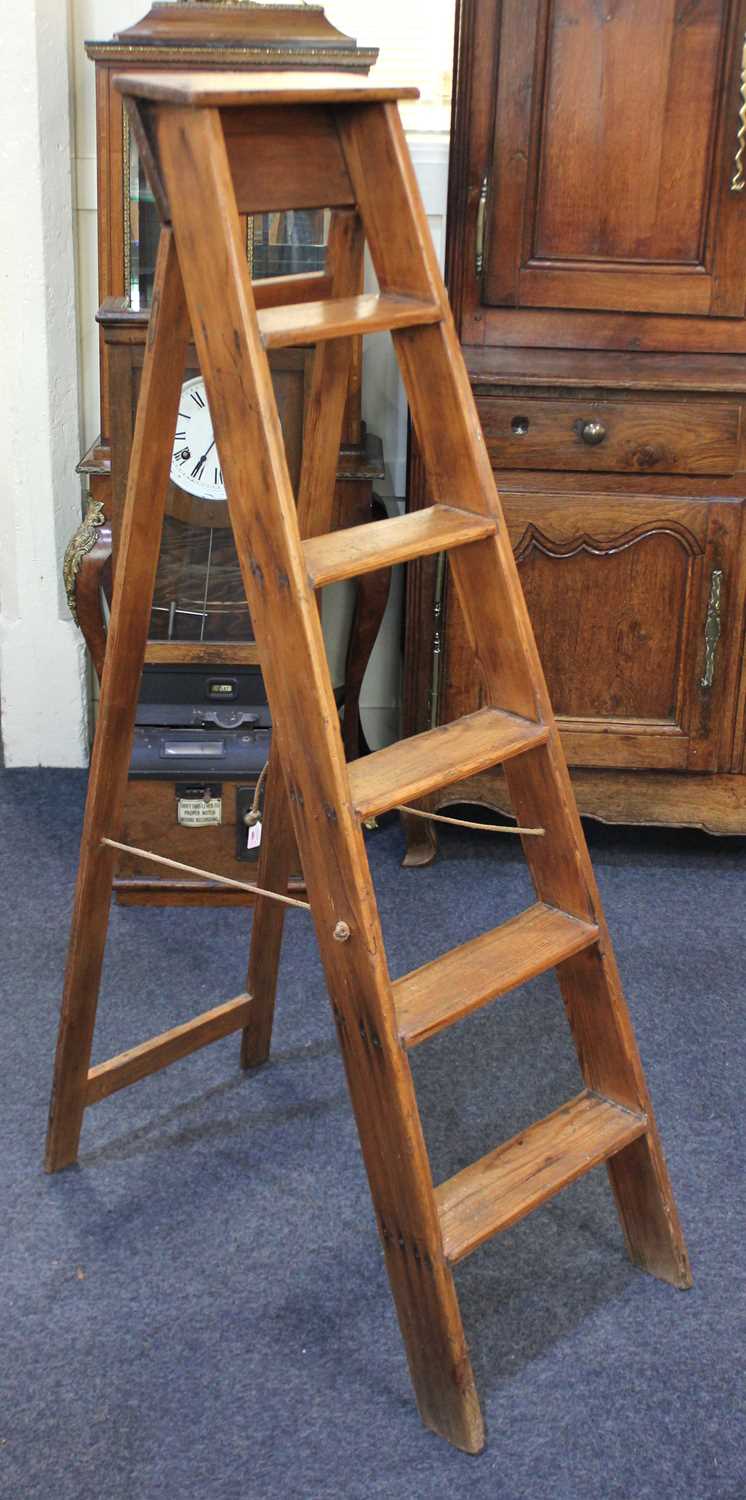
(48,150)
(42,662)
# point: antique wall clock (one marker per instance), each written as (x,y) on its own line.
(201,646)
(195,463)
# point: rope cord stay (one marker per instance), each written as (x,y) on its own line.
(254,814)
(464,823)
(175,864)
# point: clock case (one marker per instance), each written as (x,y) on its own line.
(181,673)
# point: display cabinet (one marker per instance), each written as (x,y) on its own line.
(596,225)
(200,618)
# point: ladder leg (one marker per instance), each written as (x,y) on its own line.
(133,591)
(285,616)
(597,1011)
(322,432)
(505,652)
(277,852)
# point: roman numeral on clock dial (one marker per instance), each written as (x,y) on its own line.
(195,465)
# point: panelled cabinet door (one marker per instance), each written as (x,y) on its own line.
(628,601)
(632,603)
(615,146)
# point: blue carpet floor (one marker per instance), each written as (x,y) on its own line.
(200,1311)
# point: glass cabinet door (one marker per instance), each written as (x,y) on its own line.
(292,243)
(199,595)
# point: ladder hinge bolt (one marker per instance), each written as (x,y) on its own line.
(341,933)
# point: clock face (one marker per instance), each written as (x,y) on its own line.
(195,465)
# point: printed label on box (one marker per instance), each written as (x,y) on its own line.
(199,812)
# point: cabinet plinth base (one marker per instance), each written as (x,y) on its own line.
(714,804)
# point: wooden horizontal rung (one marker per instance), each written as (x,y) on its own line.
(149,1057)
(362,549)
(413,767)
(203,653)
(341,317)
(522,1174)
(441,992)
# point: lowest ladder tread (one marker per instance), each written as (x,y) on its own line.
(413,767)
(379,544)
(523,1173)
(342,317)
(449,987)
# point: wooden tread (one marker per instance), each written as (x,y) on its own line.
(341,317)
(225,87)
(413,767)
(362,549)
(447,988)
(159,1051)
(527,1170)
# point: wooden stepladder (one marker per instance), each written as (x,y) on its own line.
(217,146)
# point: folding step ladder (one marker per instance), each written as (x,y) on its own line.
(216,145)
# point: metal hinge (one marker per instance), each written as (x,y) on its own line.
(712,627)
(433,697)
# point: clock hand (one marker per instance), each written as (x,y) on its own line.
(200,464)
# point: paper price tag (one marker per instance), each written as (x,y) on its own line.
(254,835)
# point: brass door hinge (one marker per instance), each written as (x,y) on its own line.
(712,627)
(433,697)
(481,224)
(737,180)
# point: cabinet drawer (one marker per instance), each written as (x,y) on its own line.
(638,437)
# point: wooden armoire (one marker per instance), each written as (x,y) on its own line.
(596,260)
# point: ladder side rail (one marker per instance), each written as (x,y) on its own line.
(288,628)
(500,631)
(443,411)
(134,581)
(322,434)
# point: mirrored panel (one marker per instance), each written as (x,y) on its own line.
(292,243)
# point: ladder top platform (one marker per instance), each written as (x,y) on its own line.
(224,89)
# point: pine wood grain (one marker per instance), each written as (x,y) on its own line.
(324,417)
(285,617)
(421,1230)
(356,550)
(239,90)
(520,1175)
(413,767)
(502,652)
(452,986)
(160,1051)
(343,317)
(206,653)
(125,653)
